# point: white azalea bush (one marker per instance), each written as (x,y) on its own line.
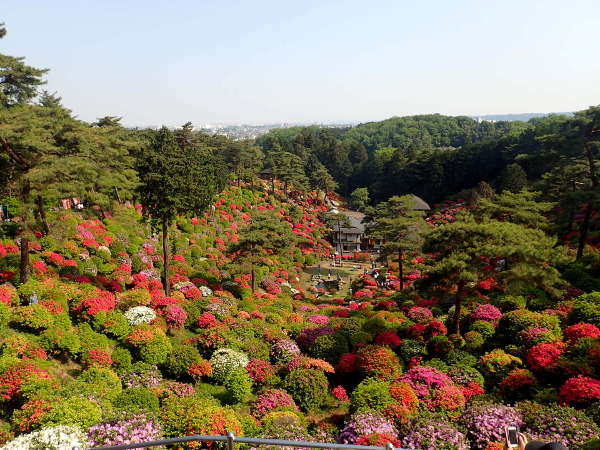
(225,360)
(206,291)
(62,437)
(139,315)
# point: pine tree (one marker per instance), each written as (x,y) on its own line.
(400,225)
(176,181)
(520,208)
(464,249)
(265,234)
(359,199)
(513,178)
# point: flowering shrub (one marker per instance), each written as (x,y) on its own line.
(388,338)
(319,319)
(365,424)
(136,428)
(379,362)
(207,320)
(425,380)
(284,350)
(579,331)
(562,424)
(102,301)
(139,315)
(175,316)
(544,356)
(259,370)
(487,313)
(434,436)
(339,393)
(226,360)
(419,314)
(497,363)
(271,400)
(486,422)
(517,382)
(50,438)
(579,391)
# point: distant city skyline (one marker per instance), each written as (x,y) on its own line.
(261,62)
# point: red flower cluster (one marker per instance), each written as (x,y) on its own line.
(259,370)
(581,330)
(102,301)
(544,356)
(579,391)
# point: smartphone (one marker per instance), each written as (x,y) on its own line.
(512,437)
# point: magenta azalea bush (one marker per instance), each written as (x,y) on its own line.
(431,435)
(364,424)
(137,428)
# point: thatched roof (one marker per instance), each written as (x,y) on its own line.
(420,204)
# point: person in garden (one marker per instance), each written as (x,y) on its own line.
(33,300)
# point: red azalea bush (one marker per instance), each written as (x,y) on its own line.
(101,301)
(259,370)
(579,331)
(544,356)
(388,338)
(580,391)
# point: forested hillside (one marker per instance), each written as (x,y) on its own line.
(166,283)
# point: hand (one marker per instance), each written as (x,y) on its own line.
(522,441)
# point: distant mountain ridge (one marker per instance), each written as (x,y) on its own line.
(523,117)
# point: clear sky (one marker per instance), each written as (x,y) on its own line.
(169,61)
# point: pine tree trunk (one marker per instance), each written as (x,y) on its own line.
(400,269)
(42,213)
(583,231)
(24,265)
(165,238)
(457,308)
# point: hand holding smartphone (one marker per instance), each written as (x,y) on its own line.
(512,437)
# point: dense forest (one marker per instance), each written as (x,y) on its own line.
(160,283)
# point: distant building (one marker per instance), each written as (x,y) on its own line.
(349,239)
(353,238)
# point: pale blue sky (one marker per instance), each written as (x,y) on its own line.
(167,62)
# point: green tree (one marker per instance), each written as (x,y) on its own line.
(359,198)
(50,155)
(575,147)
(464,249)
(400,225)
(18,82)
(108,121)
(513,178)
(520,208)
(266,233)
(176,181)
(243,159)
(289,169)
(320,178)
(482,190)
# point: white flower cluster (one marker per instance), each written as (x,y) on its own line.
(225,360)
(139,315)
(206,291)
(62,437)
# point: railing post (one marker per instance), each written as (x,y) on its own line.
(230,439)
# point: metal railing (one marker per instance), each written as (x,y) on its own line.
(231,440)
